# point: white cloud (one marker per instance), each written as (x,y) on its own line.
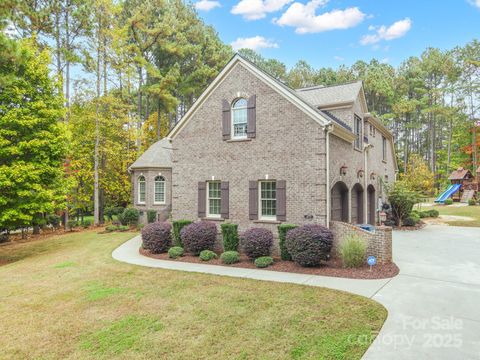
(338,58)
(303,17)
(258,9)
(394,31)
(206,5)
(254,43)
(475,3)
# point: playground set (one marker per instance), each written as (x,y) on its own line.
(463,186)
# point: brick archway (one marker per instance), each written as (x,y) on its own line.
(339,202)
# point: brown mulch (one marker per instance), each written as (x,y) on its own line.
(420,225)
(332,267)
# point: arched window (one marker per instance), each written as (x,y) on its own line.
(239,118)
(159,190)
(141,189)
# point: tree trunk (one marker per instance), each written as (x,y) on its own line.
(96,197)
(139,107)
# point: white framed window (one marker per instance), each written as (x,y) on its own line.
(239,119)
(214,199)
(358,132)
(141,189)
(159,190)
(268,200)
(384,148)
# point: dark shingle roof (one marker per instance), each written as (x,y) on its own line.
(336,119)
(159,155)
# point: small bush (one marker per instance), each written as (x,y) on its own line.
(230,257)
(151,216)
(207,255)
(123,228)
(309,244)
(433,213)
(257,242)
(111,228)
(230,236)
(72,224)
(175,252)
(157,237)
(54,221)
(352,251)
(263,262)
(415,216)
(199,236)
(129,216)
(410,221)
(86,223)
(282,233)
(177,228)
(472,202)
(113,211)
(448,201)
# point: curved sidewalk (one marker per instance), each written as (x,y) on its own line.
(128,252)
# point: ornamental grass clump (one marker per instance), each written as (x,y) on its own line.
(157,237)
(309,244)
(199,236)
(353,251)
(257,242)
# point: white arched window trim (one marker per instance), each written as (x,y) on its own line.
(239,119)
(159,190)
(142,189)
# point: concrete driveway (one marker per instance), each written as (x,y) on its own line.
(434,303)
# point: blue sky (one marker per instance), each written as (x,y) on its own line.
(335,32)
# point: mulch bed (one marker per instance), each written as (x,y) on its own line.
(420,225)
(332,267)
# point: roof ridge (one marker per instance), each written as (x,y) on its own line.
(316,87)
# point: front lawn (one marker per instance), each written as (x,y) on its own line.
(66,298)
(463,211)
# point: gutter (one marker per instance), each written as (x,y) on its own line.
(366,147)
(328,130)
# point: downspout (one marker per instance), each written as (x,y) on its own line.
(366,147)
(328,130)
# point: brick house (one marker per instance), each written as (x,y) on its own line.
(254,152)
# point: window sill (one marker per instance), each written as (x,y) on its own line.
(212,218)
(160,204)
(265,221)
(239,140)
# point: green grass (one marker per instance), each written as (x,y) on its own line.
(470,211)
(66,298)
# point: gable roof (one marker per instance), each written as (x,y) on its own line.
(320,96)
(288,93)
(460,174)
(159,155)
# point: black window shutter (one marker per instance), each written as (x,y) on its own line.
(252,116)
(226,120)
(224,199)
(281,200)
(253,200)
(202,199)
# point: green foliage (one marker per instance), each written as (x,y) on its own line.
(33,142)
(207,255)
(86,223)
(401,199)
(472,202)
(353,251)
(177,227)
(428,213)
(418,176)
(175,252)
(263,262)
(448,201)
(123,228)
(54,221)
(282,233)
(129,216)
(151,216)
(112,211)
(230,236)
(230,257)
(111,228)
(72,224)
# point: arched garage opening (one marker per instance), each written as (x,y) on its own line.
(371,205)
(357,204)
(339,202)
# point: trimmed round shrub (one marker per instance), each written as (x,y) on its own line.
(448,201)
(230,257)
(207,255)
(157,237)
(257,242)
(199,236)
(309,244)
(263,262)
(129,216)
(353,250)
(175,252)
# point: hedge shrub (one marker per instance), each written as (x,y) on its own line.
(207,255)
(175,252)
(123,228)
(230,257)
(257,242)
(263,262)
(113,210)
(151,216)
(353,250)
(199,236)
(309,244)
(282,233)
(177,228)
(157,237)
(129,216)
(230,236)
(448,201)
